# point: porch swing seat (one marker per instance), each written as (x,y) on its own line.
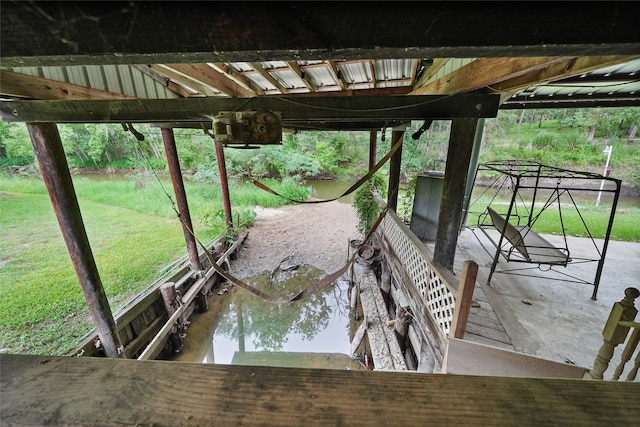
(534,248)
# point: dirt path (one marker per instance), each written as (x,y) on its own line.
(318,235)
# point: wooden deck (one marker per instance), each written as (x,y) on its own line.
(38,390)
(483,325)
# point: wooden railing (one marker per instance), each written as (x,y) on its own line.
(616,330)
(438,300)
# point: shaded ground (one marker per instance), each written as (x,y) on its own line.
(316,234)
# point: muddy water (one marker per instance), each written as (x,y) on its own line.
(240,328)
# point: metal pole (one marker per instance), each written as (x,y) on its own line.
(171,152)
(55,174)
(224,184)
(608,151)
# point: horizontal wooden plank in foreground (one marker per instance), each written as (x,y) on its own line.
(74,391)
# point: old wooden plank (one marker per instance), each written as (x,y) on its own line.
(385,349)
(303,110)
(37,390)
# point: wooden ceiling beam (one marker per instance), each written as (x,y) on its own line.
(74,33)
(24,86)
(184,79)
(236,76)
(333,69)
(213,78)
(568,68)
(485,72)
(438,63)
(264,73)
(309,83)
(293,108)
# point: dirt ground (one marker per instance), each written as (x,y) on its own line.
(316,234)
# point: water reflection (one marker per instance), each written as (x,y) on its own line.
(240,328)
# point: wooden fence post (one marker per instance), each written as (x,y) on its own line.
(463,299)
(614,333)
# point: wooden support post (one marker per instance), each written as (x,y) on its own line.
(172,304)
(614,333)
(373,147)
(464,298)
(458,157)
(394,171)
(183,208)
(181,196)
(55,173)
(224,184)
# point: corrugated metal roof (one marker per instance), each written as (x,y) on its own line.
(123,79)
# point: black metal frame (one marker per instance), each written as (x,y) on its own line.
(530,175)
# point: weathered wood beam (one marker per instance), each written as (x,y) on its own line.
(37,390)
(521,101)
(257,66)
(237,76)
(373,148)
(568,68)
(438,63)
(293,109)
(173,163)
(224,184)
(211,77)
(333,69)
(394,171)
(293,65)
(170,84)
(485,72)
(66,33)
(461,140)
(22,85)
(185,80)
(55,174)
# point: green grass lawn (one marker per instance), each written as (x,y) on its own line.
(133,231)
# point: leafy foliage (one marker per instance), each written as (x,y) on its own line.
(367,208)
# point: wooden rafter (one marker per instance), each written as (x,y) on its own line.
(211,77)
(235,75)
(568,68)
(185,80)
(333,69)
(264,73)
(22,85)
(372,68)
(485,72)
(431,71)
(309,83)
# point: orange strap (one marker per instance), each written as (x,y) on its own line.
(351,189)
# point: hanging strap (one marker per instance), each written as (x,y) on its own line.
(351,189)
(325,281)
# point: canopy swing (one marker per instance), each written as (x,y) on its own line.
(540,193)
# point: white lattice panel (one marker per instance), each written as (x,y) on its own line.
(436,295)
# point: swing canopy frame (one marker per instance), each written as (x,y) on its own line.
(537,191)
